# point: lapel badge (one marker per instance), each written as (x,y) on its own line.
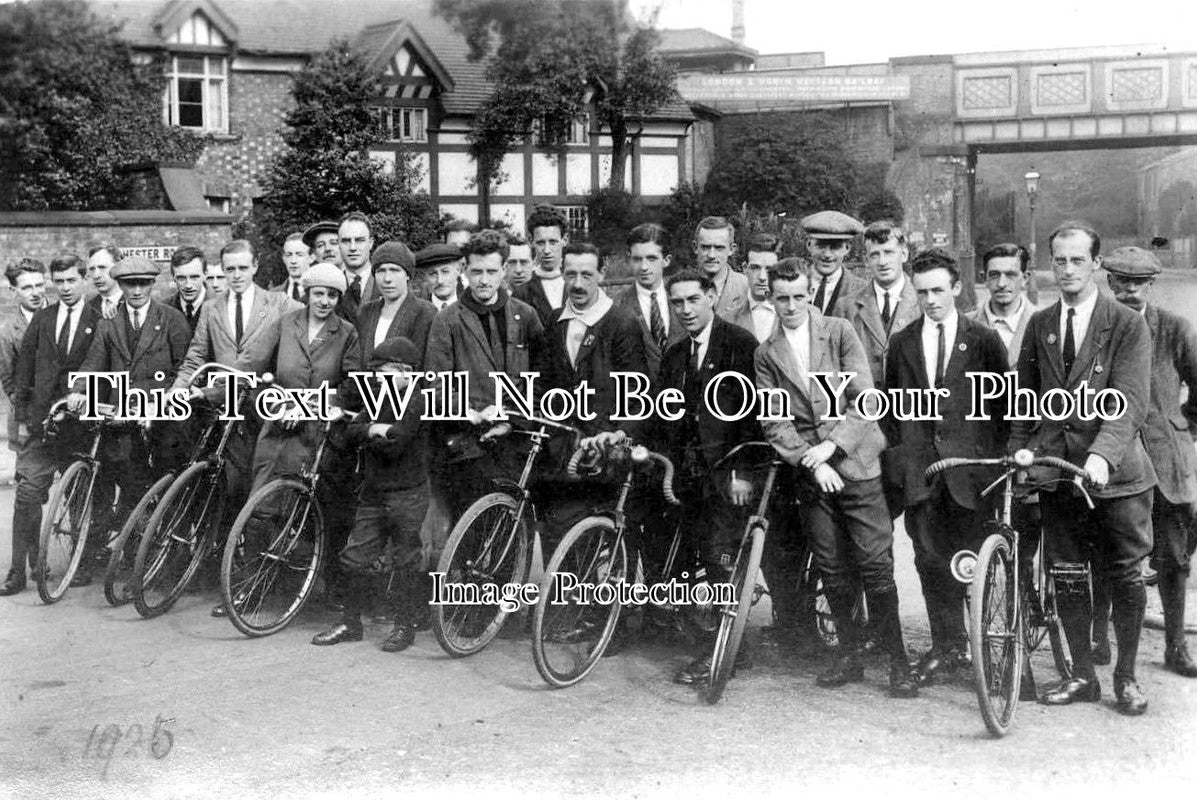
(157,327)
(589,340)
(516,317)
(1051,338)
(87,331)
(262,314)
(963,347)
(1098,369)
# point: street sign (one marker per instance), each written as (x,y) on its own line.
(154,252)
(745,88)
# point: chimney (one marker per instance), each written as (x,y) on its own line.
(737,29)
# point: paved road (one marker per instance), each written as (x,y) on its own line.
(275,717)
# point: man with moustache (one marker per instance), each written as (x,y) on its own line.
(829,236)
(27,282)
(324,240)
(714,248)
(100,261)
(937,351)
(187,271)
(645,301)
(1087,336)
(519,264)
(1168,436)
(886,304)
(356,242)
(546,291)
(297,257)
(759,316)
(397,313)
(54,345)
(438,267)
(847,521)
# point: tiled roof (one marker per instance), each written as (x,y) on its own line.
(303,27)
(690,40)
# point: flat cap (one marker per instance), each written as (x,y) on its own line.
(323,226)
(135,268)
(436,254)
(396,253)
(831,225)
(326,275)
(1133,262)
(396,350)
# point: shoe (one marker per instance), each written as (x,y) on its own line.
(1073,690)
(697,671)
(901,681)
(1131,701)
(341,632)
(13,584)
(402,636)
(218,611)
(1178,660)
(937,663)
(846,669)
(1101,653)
(82,578)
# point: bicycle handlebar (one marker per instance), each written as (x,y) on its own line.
(639,455)
(59,410)
(1022,459)
(213,366)
(735,451)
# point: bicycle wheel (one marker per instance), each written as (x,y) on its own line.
(176,539)
(272,557)
(118,577)
(734,615)
(815,606)
(994,635)
(570,632)
(65,524)
(487,548)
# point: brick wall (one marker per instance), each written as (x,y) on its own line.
(230,165)
(46,235)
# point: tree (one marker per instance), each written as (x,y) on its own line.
(550,62)
(325,168)
(882,204)
(74,108)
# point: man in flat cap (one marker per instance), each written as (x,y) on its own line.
(829,236)
(356,242)
(297,257)
(439,266)
(1088,336)
(147,339)
(397,312)
(324,241)
(1168,435)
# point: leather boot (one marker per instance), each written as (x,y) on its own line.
(887,627)
(1129,604)
(1101,619)
(349,629)
(1074,610)
(845,666)
(14,583)
(404,595)
(1172,594)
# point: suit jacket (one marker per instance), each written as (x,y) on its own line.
(743,318)
(848,287)
(12,330)
(284,287)
(1115,354)
(629,302)
(214,341)
(329,357)
(532,293)
(915,444)
(412,321)
(159,348)
(458,343)
(860,309)
(176,302)
(1028,308)
(734,297)
(1170,425)
(41,374)
(348,308)
(613,344)
(730,349)
(834,348)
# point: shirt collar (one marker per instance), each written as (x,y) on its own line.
(1008,318)
(1082,308)
(246,297)
(755,304)
(27,314)
(642,292)
(948,323)
(592,314)
(704,335)
(895,291)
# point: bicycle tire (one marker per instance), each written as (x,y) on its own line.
(464,629)
(594,553)
(118,576)
(294,537)
(161,538)
(61,549)
(735,616)
(995,636)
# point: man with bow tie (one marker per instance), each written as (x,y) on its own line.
(187,270)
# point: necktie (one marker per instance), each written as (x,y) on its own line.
(655,323)
(64,334)
(820,294)
(190,311)
(295,293)
(886,312)
(238,325)
(1069,343)
(940,352)
(355,289)
(692,362)
(137,320)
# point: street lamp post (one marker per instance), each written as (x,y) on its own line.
(1032,179)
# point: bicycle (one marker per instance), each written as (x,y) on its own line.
(734,614)
(276,542)
(67,519)
(571,633)
(488,549)
(182,528)
(1009,614)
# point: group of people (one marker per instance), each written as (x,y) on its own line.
(482,302)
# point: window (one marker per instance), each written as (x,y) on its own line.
(404,124)
(575,217)
(197,93)
(577,132)
(218,204)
